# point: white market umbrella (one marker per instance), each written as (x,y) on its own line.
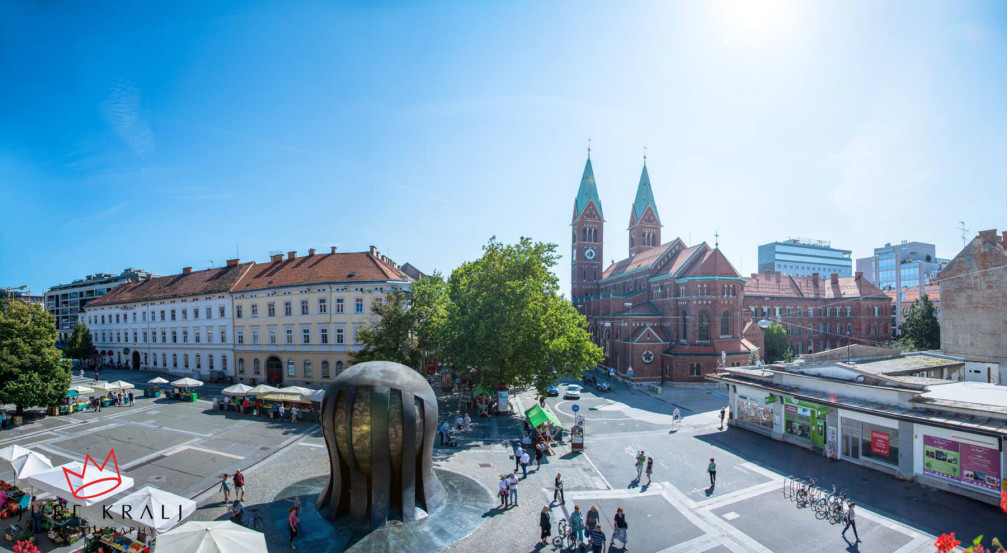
(295,390)
(93,482)
(221,536)
(31,464)
(12,452)
(238,390)
(122,385)
(261,389)
(157,380)
(104,386)
(186,383)
(153,508)
(81,389)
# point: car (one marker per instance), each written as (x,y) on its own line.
(552,391)
(572,392)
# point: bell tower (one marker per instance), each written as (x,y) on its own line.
(588,232)
(644,222)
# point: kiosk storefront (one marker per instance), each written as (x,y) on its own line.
(753,409)
(805,421)
(972,461)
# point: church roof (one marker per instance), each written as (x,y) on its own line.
(644,197)
(587,192)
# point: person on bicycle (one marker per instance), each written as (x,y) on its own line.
(577,524)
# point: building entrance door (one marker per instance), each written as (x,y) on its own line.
(274,371)
(851,442)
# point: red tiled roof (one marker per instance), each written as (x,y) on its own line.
(329,267)
(195,283)
(775,285)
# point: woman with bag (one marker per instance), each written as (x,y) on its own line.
(545,523)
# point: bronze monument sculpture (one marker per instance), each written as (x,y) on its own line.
(379,419)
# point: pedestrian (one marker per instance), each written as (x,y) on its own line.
(131,402)
(512,485)
(650,469)
(712,469)
(504,492)
(593,518)
(597,539)
(545,523)
(292,525)
(239,485)
(851,522)
(558,491)
(517,457)
(722,410)
(577,525)
(293,414)
(225,487)
(619,532)
(538,455)
(525,461)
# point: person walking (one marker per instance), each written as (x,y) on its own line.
(239,485)
(597,539)
(545,523)
(504,492)
(518,452)
(712,469)
(512,482)
(525,461)
(722,413)
(292,525)
(650,469)
(577,524)
(619,532)
(558,491)
(539,447)
(851,522)
(225,487)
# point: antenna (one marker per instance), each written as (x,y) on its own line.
(965,232)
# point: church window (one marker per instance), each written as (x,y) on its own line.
(704,327)
(725,324)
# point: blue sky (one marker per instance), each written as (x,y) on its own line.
(162,135)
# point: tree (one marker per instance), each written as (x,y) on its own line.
(79,345)
(507,321)
(392,338)
(920,328)
(776,343)
(32,371)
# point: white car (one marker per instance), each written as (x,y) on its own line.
(572,392)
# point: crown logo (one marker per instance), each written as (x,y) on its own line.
(100,484)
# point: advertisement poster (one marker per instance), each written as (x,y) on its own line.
(980,466)
(940,457)
(880,442)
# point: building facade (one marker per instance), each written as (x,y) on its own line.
(974,315)
(296,318)
(180,324)
(804,257)
(66,302)
(904,272)
(820,314)
(669,311)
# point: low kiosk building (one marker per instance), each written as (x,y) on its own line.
(887,413)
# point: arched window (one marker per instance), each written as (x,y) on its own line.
(256,367)
(241,366)
(339,367)
(704,327)
(725,324)
(291,368)
(307,369)
(325,369)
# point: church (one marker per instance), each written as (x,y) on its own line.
(669,311)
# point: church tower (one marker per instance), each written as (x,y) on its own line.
(644,222)
(588,231)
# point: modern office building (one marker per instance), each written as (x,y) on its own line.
(66,301)
(804,257)
(904,272)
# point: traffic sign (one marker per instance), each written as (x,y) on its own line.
(575,407)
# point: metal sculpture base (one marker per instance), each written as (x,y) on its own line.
(464,511)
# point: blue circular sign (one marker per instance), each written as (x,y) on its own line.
(575,407)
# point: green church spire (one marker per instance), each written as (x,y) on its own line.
(588,191)
(644,196)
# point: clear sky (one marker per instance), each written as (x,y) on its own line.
(170,134)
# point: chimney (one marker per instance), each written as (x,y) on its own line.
(374,251)
(835,278)
(186,270)
(291,255)
(232,262)
(311,252)
(275,258)
(333,249)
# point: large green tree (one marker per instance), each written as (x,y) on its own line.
(920,328)
(79,345)
(507,321)
(775,339)
(32,371)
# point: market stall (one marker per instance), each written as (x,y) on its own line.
(153,390)
(183,389)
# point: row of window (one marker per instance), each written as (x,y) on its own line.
(122,336)
(172,313)
(288,336)
(307,369)
(288,307)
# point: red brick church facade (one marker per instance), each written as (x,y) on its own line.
(668,312)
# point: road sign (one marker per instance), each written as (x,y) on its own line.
(575,407)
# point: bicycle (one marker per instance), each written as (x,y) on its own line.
(564,534)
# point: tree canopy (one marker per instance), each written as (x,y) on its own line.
(506,320)
(32,371)
(79,345)
(920,328)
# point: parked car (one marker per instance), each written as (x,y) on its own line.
(572,392)
(552,391)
